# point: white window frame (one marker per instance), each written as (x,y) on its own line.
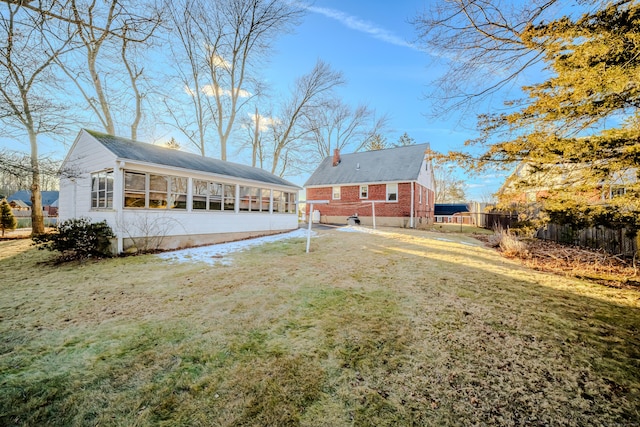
(366,191)
(390,187)
(173,193)
(335,191)
(102,195)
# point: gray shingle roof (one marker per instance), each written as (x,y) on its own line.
(128,149)
(392,164)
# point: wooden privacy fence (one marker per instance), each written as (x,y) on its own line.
(612,241)
(494,220)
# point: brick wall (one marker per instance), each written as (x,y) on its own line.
(350,202)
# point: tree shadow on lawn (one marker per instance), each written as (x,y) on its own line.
(493,319)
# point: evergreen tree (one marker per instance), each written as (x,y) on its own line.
(376,142)
(567,120)
(404,140)
(7,220)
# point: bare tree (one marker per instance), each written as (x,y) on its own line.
(189,52)
(238,34)
(481,44)
(27,104)
(334,124)
(256,125)
(450,188)
(287,130)
(108,51)
(221,46)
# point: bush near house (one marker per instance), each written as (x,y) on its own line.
(7,220)
(78,239)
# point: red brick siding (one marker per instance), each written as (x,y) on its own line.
(351,203)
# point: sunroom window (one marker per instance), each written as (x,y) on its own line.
(102,190)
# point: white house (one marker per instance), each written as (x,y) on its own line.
(158,198)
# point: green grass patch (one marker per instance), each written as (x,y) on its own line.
(399,327)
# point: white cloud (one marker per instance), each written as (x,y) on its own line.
(264,121)
(219,61)
(189,91)
(211,90)
(358,24)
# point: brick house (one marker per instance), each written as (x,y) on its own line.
(395,184)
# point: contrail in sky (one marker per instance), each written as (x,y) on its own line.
(358,24)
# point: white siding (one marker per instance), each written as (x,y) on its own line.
(188,227)
(425,177)
(85,157)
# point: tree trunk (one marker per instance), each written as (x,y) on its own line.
(37,219)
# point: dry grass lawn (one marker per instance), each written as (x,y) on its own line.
(401,327)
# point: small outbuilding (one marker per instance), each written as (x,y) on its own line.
(456,213)
(160,198)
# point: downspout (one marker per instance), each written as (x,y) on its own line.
(118,204)
(412,205)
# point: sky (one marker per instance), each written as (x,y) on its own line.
(372,43)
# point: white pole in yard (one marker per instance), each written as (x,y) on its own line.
(373,212)
(310,219)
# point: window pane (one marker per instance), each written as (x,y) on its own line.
(178,185)
(277,201)
(158,183)
(133,200)
(336,193)
(157,200)
(110,181)
(266,199)
(215,189)
(255,199)
(178,202)
(245,198)
(134,181)
(200,187)
(215,196)
(199,202)
(229,197)
(392,192)
(291,203)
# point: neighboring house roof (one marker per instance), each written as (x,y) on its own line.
(19,204)
(449,208)
(49,198)
(127,149)
(389,165)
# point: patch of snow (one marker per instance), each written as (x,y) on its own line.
(217,254)
(358,229)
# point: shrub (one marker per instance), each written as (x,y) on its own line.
(509,244)
(78,239)
(7,220)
